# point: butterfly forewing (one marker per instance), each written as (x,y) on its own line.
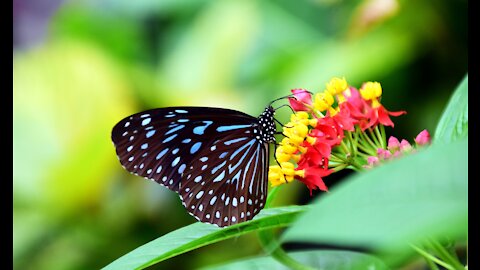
(158,144)
(216,159)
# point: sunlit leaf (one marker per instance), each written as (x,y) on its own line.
(454,122)
(423,194)
(199,235)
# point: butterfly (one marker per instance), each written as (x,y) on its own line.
(216,159)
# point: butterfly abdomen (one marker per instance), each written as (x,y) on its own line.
(266,126)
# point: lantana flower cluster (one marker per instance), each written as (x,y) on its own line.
(338,128)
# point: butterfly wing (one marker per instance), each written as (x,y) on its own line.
(227,182)
(214,158)
(159,144)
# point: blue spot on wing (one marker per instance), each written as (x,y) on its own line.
(169,138)
(201,129)
(232,127)
(175,129)
(235,140)
(195,147)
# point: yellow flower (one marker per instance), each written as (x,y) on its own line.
(296,132)
(285,173)
(323,101)
(275,176)
(337,86)
(371,91)
(303,118)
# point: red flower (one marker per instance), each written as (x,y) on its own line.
(312,177)
(376,113)
(344,119)
(315,155)
(301,101)
(379,115)
(356,105)
(328,131)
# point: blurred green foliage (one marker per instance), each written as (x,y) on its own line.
(74,205)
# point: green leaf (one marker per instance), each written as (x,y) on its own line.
(453,124)
(401,202)
(325,259)
(200,234)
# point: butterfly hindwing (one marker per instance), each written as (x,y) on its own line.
(227,183)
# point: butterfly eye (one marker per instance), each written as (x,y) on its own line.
(215,159)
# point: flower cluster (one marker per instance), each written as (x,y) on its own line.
(340,127)
(396,148)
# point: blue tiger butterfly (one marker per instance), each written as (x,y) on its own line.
(215,159)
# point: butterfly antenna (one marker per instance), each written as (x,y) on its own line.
(285,105)
(280,98)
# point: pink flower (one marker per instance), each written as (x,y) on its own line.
(393,144)
(301,101)
(405,146)
(423,138)
(383,154)
(372,161)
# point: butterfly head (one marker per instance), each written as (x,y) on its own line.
(266,125)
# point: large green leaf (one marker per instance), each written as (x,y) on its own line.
(325,259)
(423,194)
(200,234)
(454,122)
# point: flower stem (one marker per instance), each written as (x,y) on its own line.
(381,138)
(382,131)
(445,255)
(375,139)
(271,245)
(338,158)
(367,139)
(432,258)
(353,143)
(367,150)
(345,148)
(339,167)
(271,195)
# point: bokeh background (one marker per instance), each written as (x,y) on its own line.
(81,66)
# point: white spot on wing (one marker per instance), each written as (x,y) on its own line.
(199,194)
(146,121)
(213,200)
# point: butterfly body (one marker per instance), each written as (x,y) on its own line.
(215,159)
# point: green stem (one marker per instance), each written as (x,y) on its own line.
(382,131)
(374,138)
(353,143)
(432,258)
(381,138)
(445,255)
(338,158)
(358,166)
(367,139)
(363,155)
(367,150)
(271,195)
(270,244)
(345,148)
(339,167)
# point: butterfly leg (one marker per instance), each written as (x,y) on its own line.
(275,157)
